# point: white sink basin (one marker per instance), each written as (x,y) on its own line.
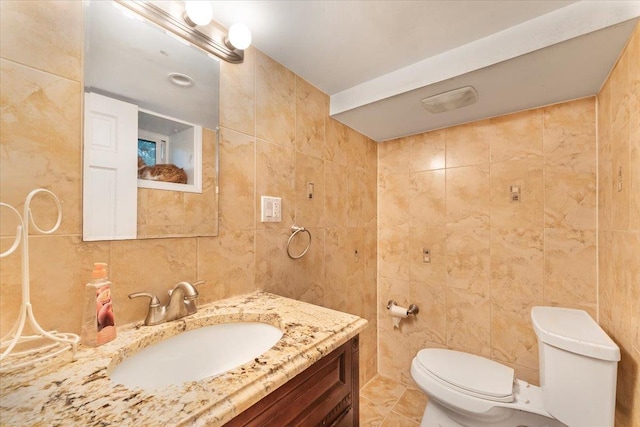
(196,354)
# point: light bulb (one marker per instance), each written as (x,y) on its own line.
(239,36)
(199,12)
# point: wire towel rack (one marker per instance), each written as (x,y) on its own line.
(295,229)
(61,342)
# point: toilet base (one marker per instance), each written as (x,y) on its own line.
(436,415)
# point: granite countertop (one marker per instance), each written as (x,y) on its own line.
(68,392)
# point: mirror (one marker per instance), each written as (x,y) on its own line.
(170,82)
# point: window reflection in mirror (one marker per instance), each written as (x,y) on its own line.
(131,60)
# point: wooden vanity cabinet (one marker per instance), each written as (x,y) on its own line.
(325,394)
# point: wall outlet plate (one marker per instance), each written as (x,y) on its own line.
(271,209)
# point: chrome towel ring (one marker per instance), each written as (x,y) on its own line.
(295,230)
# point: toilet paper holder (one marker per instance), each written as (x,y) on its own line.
(413,309)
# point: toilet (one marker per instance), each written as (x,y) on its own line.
(578,367)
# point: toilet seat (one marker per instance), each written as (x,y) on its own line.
(468,374)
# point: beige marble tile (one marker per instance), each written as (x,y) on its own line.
(570,192)
(275,271)
(60,266)
(605,182)
(527,175)
(393,262)
(468,144)
(275,176)
(393,200)
(394,156)
(238,94)
(153,266)
(621,178)
(627,384)
(427,286)
(604,111)
(49,39)
(468,261)
(433,239)
(336,142)
(625,254)
(309,272)
(358,299)
(468,196)
(397,420)
(371,253)
(227,263)
(237,181)
(383,391)
(336,196)
(517,264)
(275,102)
(569,129)
(427,207)
(312,107)
(427,151)
(570,266)
(606,278)
(633,53)
(570,164)
(356,150)
(634,172)
(411,405)
(357,181)
(336,262)
(371,415)
(309,171)
(532,376)
(369,352)
(468,322)
(40,143)
(512,337)
(370,198)
(517,136)
(620,91)
(371,157)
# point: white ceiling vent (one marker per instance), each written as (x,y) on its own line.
(451,100)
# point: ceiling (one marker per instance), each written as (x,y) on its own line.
(378,59)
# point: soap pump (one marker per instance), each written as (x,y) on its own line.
(98,324)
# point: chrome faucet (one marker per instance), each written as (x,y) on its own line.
(182,302)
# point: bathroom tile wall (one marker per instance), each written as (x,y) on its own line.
(619,223)
(276,137)
(491,259)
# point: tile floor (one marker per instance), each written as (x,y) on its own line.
(387,403)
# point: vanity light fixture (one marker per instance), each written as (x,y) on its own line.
(182,19)
(239,37)
(450,100)
(197,13)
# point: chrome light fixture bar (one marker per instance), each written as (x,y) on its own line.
(216,46)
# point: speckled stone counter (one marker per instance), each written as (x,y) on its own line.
(65,392)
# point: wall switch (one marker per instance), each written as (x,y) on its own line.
(271,209)
(426,255)
(515,193)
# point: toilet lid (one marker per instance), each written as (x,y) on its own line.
(469,373)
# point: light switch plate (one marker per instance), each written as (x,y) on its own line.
(271,209)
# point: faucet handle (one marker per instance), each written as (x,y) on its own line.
(199,282)
(154,299)
(156,313)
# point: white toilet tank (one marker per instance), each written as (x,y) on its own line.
(578,367)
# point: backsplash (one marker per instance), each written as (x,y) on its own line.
(276,136)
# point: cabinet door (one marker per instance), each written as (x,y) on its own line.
(322,395)
(110,203)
